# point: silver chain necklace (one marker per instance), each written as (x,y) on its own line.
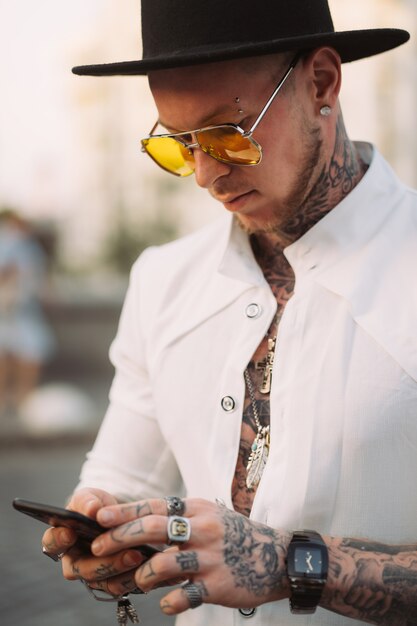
(260,447)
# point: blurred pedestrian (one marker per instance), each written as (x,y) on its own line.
(26,341)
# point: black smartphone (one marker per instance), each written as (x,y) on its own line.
(87,529)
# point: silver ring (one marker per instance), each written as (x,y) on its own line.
(194,594)
(54,557)
(175,505)
(178,529)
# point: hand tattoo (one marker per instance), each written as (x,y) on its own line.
(254,553)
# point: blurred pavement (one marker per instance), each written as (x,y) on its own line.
(84,327)
(44,467)
(32,591)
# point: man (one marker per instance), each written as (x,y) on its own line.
(309,275)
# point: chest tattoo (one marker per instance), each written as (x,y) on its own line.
(280,278)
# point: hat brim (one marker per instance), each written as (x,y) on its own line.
(351,45)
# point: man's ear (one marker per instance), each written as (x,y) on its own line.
(324,69)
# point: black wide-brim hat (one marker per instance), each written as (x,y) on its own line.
(177,33)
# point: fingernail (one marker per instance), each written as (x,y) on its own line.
(132,558)
(166,608)
(106,516)
(91,503)
(92,500)
(97,546)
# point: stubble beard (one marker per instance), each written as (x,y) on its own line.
(280,225)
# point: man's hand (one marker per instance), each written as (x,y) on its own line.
(233,561)
(105,573)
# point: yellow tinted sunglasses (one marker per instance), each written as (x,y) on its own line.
(227,143)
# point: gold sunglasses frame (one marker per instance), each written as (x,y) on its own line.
(245,134)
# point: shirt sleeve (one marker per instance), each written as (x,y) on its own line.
(130,457)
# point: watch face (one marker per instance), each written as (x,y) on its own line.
(308,560)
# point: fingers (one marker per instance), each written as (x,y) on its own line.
(119,514)
(166,566)
(115,573)
(56,541)
(88,501)
(116,586)
(115,515)
(146,522)
(150,530)
(189,596)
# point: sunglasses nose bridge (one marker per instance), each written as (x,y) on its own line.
(187,144)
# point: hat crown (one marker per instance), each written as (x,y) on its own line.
(176,26)
(177,33)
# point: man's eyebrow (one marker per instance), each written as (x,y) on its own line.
(205,121)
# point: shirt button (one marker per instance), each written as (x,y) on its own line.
(228,404)
(253,311)
(247,612)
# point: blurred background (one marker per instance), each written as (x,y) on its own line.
(78,203)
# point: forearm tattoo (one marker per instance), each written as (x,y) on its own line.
(254,554)
(372,582)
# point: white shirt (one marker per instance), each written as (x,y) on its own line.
(343,456)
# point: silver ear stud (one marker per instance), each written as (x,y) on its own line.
(325,111)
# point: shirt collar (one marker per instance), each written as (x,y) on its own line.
(238,261)
(351,224)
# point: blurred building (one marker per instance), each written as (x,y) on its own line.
(69,146)
(379,95)
(118,186)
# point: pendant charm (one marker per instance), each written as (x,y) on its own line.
(267,365)
(258,458)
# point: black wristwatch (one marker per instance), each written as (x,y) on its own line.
(307,565)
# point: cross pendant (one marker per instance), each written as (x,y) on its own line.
(267,365)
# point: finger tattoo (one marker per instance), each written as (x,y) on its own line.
(104,571)
(140,509)
(131,529)
(188,561)
(150,573)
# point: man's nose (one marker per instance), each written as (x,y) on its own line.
(207,169)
